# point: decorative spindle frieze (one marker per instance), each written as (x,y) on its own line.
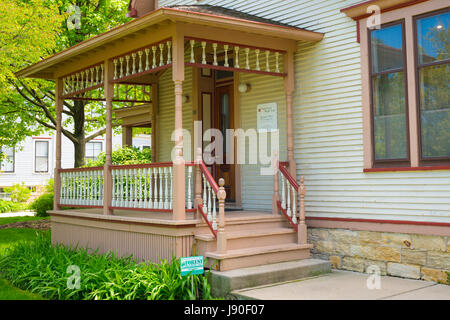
(75,84)
(258,60)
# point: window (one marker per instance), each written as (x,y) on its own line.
(93,149)
(41,157)
(7,163)
(388,83)
(433,74)
(406,88)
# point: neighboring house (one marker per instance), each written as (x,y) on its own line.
(365,126)
(34,163)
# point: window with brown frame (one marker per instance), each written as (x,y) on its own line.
(432,46)
(389,115)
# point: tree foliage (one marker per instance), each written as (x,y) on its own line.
(31,101)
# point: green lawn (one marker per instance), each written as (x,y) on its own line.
(7,238)
(8,220)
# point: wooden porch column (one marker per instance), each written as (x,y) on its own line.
(155,134)
(127,136)
(179,183)
(289,89)
(107,184)
(57,178)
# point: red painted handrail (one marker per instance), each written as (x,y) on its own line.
(289,178)
(200,208)
(209,177)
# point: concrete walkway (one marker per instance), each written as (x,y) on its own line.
(347,285)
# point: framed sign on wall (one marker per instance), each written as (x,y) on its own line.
(267,116)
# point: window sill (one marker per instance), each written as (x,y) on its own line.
(393,169)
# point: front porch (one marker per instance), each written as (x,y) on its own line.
(175,206)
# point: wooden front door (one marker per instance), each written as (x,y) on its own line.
(223,120)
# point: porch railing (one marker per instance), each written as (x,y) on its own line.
(140,187)
(288,191)
(82,187)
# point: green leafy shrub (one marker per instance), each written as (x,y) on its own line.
(19,192)
(41,268)
(10,206)
(42,204)
(125,155)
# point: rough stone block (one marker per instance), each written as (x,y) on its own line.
(403,270)
(343,235)
(353,264)
(430,274)
(395,239)
(322,246)
(410,256)
(429,243)
(381,253)
(440,260)
(369,237)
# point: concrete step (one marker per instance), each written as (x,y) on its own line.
(256,256)
(224,282)
(247,239)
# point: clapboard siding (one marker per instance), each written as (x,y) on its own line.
(328,124)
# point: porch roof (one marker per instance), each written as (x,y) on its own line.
(163,17)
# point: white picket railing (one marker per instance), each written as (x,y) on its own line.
(82,187)
(209,197)
(143,186)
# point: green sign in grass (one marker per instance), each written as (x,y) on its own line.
(192,265)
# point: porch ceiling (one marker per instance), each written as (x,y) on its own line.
(159,24)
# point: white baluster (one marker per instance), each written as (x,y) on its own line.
(215,54)
(87,78)
(121,67)
(114,192)
(214,213)
(288,190)
(127,195)
(267,61)
(169,52)
(283,196)
(192,42)
(166,188)
(170,189)
(150,188)
(135,195)
(147,63)
(209,203)
(140,53)
(226,64)
(294,206)
(122,195)
(257,60)
(82,80)
(161,202)
(92,77)
(205,200)
(161,54)
(145,173)
(141,200)
(236,62)
(127,58)
(247,63)
(277,66)
(189,193)
(155,188)
(133,69)
(154,56)
(101,73)
(203,52)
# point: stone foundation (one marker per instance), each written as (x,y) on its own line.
(412,256)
